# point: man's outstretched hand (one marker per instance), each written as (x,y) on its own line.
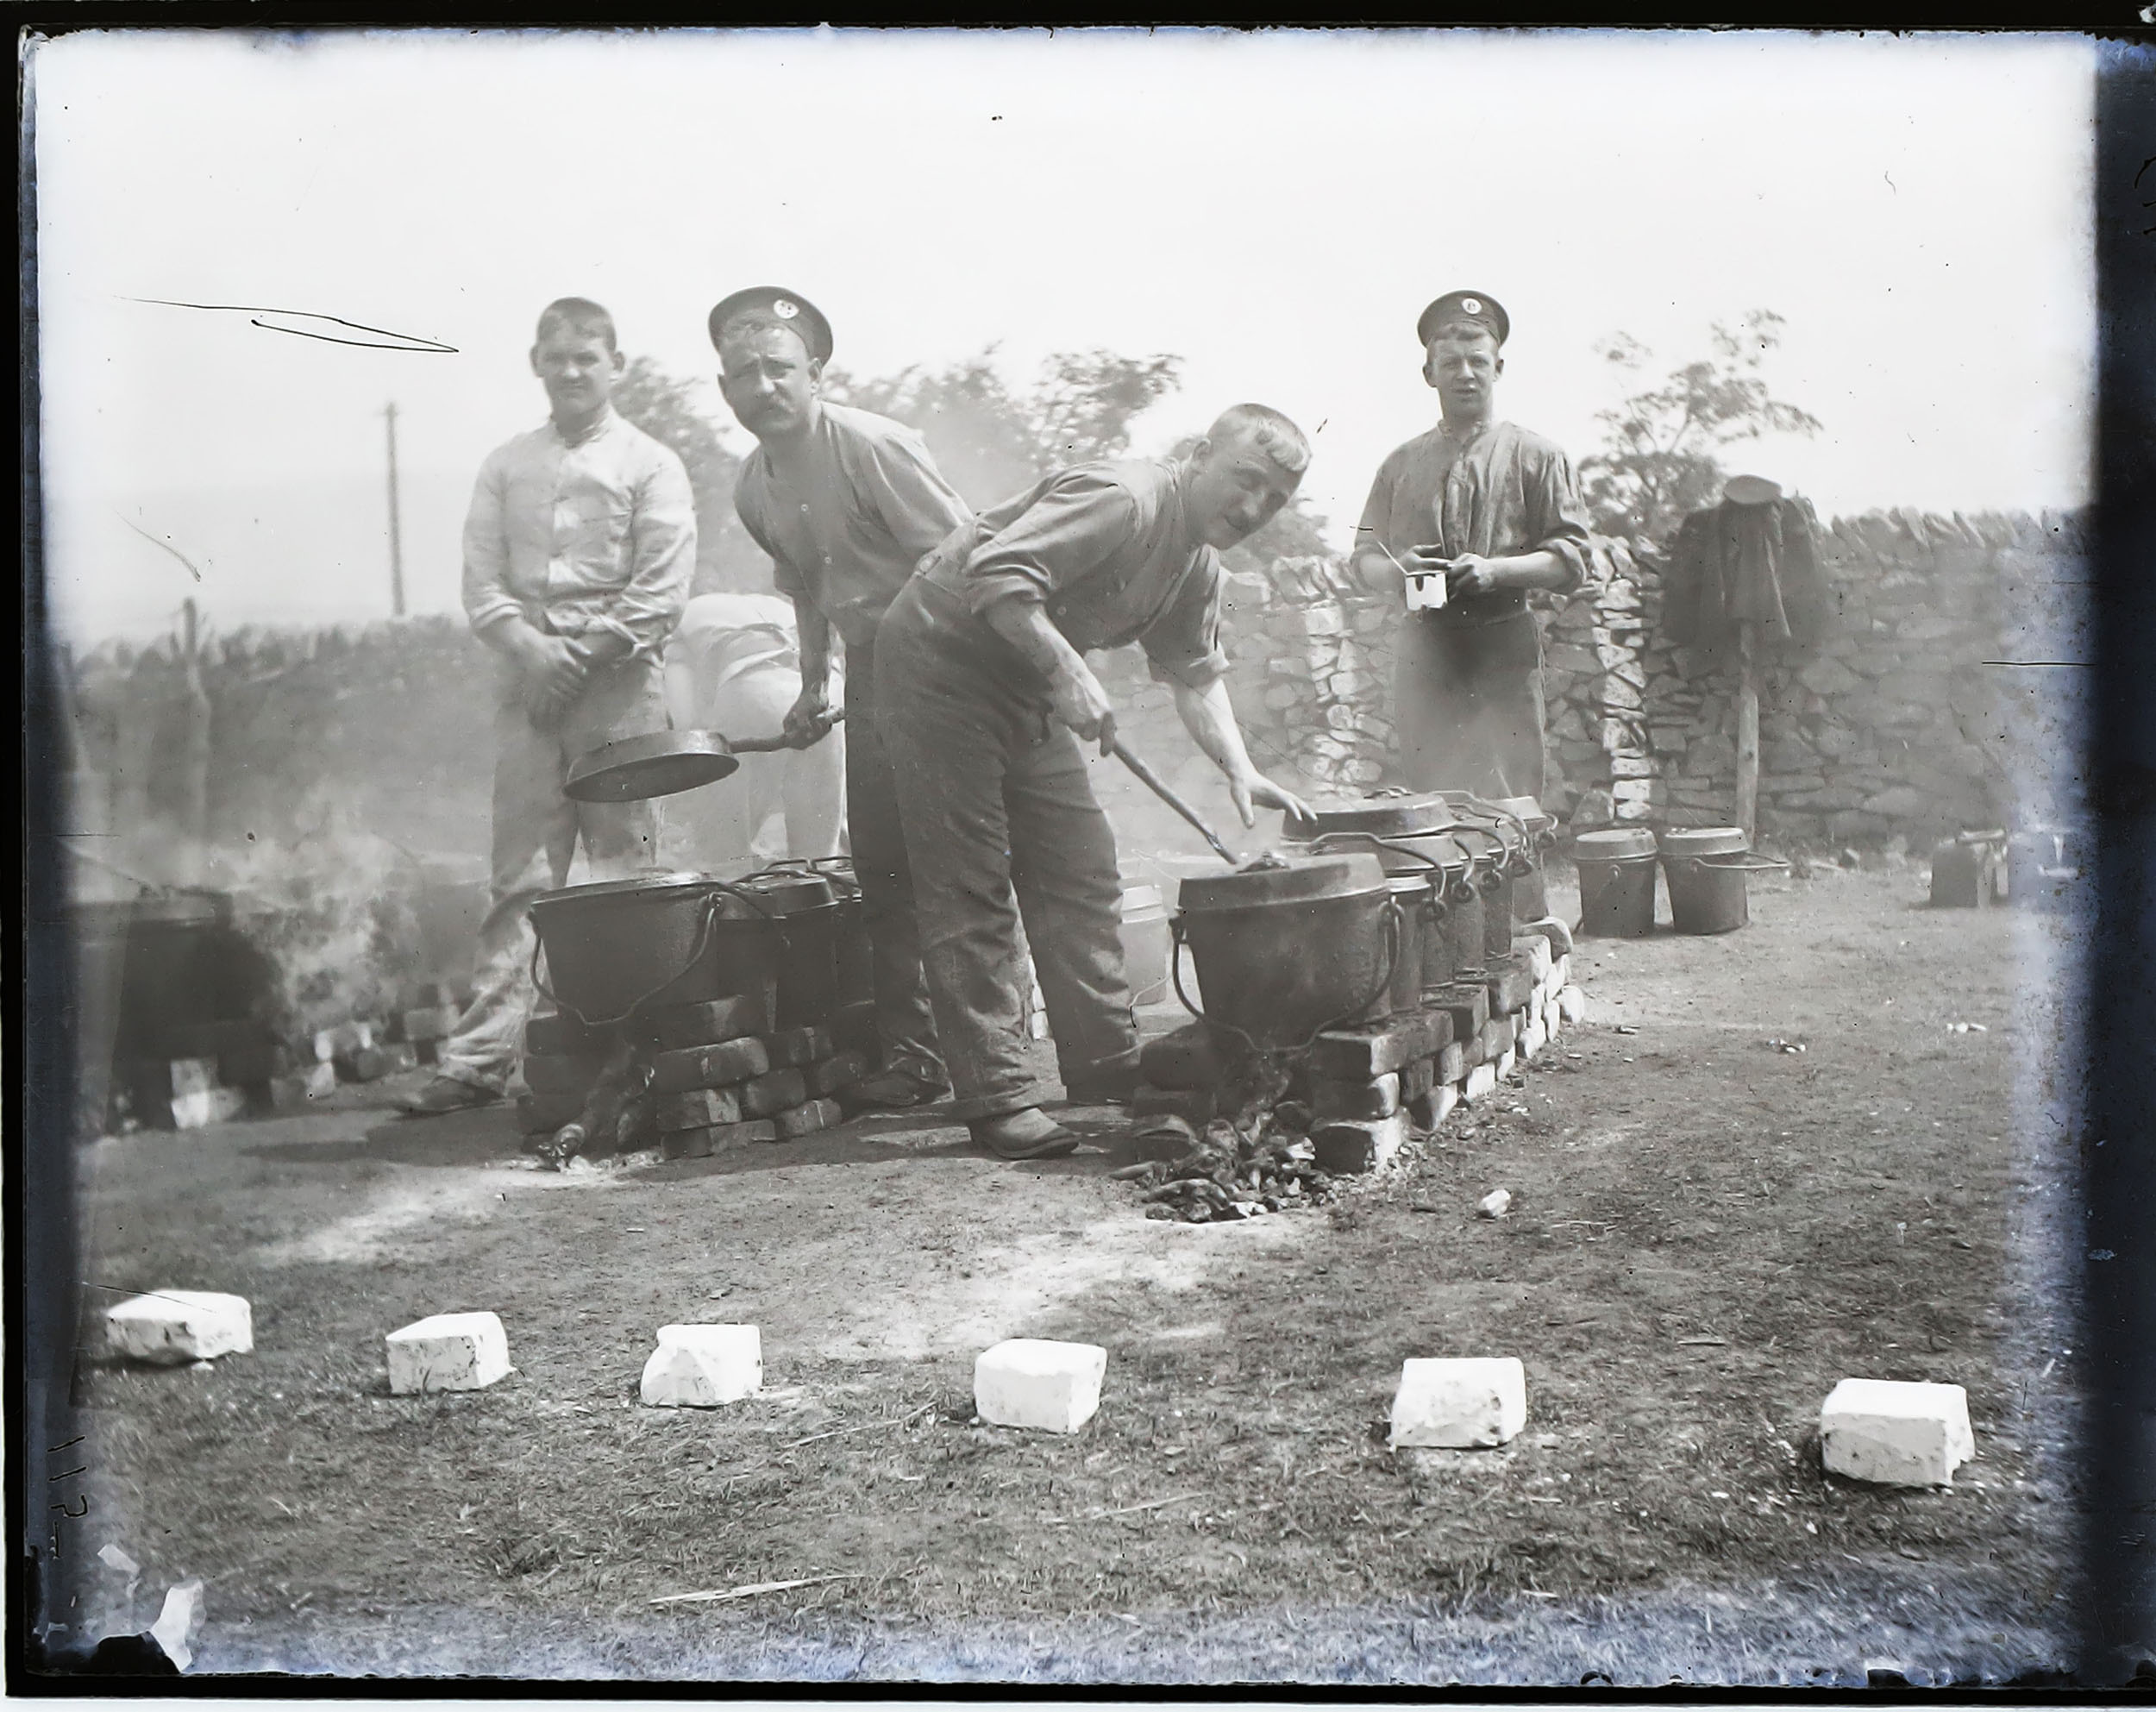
(810,719)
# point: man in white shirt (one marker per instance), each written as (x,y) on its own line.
(577,551)
(735,666)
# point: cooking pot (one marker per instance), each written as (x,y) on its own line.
(1284,952)
(623,946)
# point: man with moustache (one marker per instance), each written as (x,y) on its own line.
(845,502)
(986,696)
(578,553)
(1495,511)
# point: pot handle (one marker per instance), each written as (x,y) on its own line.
(1395,935)
(1743,862)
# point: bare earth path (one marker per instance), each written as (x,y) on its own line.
(1709,1231)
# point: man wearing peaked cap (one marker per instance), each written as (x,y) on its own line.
(845,502)
(1476,512)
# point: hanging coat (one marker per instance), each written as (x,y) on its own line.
(1732,563)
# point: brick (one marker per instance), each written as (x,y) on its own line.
(1474,1051)
(563,1037)
(1357,1054)
(774,1091)
(282,1096)
(1430,1109)
(711,1138)
(1895,1433)
(1532,1039)
(200,1107)
(439,1022)
(1451,1063)
(828,1075)
(1509,990)
(1194,1106)
(1348,1148)
(1035,1383)
(1417,1079)
(702,1367)
(1467,1002)
(322,1081)
(1572,1004)
(448,1352)
(714,1066)
(1498,1035)
(1505,1065)
(371,1064)
(175,1326)
(545,1073)
(1181,1059)
(673,1027)
(806,1120)
(1536,949)
(797,1048)
(1469,1403)
(1379,1097)
(1480,1083)
(697,1108)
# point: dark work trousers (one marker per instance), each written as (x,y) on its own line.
(1000,823)
(904,1023)
(1469,706)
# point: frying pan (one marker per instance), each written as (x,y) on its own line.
(662,764)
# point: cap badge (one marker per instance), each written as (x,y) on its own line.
(784,309)
(1472,305)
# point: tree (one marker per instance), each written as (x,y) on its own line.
(992,443)
(1658,461)
(665,409)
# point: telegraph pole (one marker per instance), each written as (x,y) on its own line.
(396,528)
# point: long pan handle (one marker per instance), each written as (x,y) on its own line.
(1153,782)
(772,745)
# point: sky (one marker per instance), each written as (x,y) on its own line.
(1274,208)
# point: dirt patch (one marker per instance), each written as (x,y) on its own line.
(1707,1231)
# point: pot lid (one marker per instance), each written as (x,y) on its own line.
(787,893)
(1385,816)
(657,764)
(1614,842)
(1296,880)
(1694,841)
(1528,809)
(640,886)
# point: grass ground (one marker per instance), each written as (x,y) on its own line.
(1707,1231)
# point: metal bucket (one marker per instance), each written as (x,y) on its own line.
(1705,868)
(1530,888)
(854,959)
(1411,896)
(1284,953)
(629,945)
(1616,869)
(805,906)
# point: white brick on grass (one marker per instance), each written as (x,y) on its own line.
(321,1080)
(1482,1082)
(1033,1382)
(448,1352)
(1896,1432)
(703,1366)
(1442,1098)
(177,1326)
(1459,1405)
(1508,1062)
(199,1107)
(1532,1039)
(1572,1005)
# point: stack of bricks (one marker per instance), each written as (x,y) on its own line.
(720,1077)
(1368,1087)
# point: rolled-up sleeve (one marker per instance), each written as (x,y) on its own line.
(1557,520)
(1184,645)
(662,560)
(487,600)
(900,483)
(1082,519)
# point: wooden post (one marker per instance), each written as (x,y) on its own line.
(1747,730)
(195,770)
(396,522)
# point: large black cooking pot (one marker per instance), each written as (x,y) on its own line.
(623,946)
(805,906)
(1284,952)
